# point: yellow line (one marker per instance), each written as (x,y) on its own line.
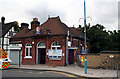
(69,75)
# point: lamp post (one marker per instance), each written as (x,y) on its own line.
(85,37)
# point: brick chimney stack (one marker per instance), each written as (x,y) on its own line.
(35,23)
(24,25)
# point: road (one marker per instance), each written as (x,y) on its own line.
(35,74)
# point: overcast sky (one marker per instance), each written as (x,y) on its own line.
(104,12)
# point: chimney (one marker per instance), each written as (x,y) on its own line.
(3,20)
(35,23)
(79,29)
(24,25)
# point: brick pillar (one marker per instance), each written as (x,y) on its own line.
(34,54)
(23,52)
(47,45)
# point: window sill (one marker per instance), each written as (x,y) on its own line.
(55,58)
(28,57)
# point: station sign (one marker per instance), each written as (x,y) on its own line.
(38,30)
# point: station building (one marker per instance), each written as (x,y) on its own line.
(51,43)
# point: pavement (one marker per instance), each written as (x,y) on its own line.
(75,70)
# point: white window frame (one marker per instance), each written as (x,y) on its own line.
(29,47)
(56,46)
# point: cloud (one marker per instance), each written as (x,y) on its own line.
(104,12)
(43,11)
(119,15)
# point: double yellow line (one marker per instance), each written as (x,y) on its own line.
(67,74)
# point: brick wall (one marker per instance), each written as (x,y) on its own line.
(48,41)
(100,61)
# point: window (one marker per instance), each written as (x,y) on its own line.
(28,50)
(41,45)
(55,45)
(56,51)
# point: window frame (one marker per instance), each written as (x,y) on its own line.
(29,47)
(56,45)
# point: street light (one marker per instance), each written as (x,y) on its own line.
(85,37)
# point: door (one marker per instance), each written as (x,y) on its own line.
(14,57)
(71,56)
(41,55)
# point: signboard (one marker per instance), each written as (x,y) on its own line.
(81,58)
(59,52)
(111,56)
(55,52)
(69,43)
(49,52)
(38,30)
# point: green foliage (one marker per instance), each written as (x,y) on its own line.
(16,26)
(101,40)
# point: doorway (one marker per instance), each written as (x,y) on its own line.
(71,56)
(41,55)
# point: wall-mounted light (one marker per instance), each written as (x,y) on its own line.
(63,54)
(33,42)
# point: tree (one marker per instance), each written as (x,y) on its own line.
(16,26)
(98,37)
(114,43)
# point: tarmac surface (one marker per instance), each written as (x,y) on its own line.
(74,70)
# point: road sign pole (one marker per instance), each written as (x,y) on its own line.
(85,37)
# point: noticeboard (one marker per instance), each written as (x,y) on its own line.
(55,54)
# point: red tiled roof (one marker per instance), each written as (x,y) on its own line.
(54,25)
(76,33)
(22,33)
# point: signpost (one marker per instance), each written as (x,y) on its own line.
(85,36)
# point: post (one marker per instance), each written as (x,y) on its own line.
(2,42)
(117,71)
(19,56)
(66,59)
(85,37)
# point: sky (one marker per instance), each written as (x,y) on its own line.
(71,12)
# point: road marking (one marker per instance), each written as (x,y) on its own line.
(69,75)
